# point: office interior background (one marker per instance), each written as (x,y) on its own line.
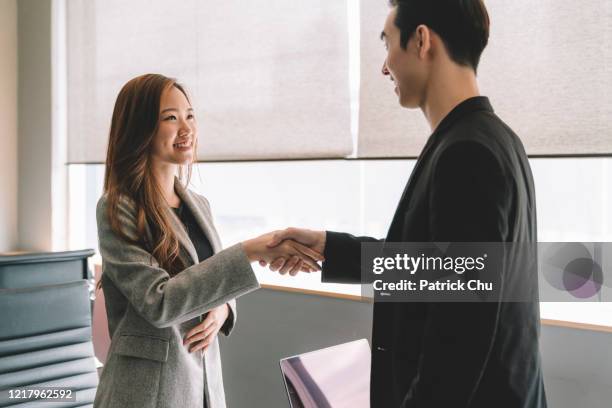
(299,128)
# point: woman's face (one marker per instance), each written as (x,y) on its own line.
(177,130)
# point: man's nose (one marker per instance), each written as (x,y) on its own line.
(385,70)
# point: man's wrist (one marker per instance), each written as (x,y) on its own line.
(324,241)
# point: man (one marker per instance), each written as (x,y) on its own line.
(472,183)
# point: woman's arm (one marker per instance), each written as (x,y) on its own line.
(161,300)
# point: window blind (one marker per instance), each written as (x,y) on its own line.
(268,79)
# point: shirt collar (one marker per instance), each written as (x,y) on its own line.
(473,104)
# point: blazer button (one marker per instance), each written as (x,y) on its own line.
(380,348)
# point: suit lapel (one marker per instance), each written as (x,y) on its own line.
(407,190)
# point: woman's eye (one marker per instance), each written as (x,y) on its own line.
(171,117)
(190,116)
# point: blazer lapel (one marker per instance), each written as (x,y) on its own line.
(182,236)
(204,221)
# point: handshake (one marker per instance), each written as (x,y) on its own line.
(288,251)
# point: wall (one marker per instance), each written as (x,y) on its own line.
(8,125)
(272,325)
(35,125)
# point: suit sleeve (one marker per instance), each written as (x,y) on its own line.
(160,299)
(469,202)
(343,257)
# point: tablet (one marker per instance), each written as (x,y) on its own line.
(333,377)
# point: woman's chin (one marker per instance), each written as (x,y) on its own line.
(182,159)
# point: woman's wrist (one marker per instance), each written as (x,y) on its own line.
(249,246)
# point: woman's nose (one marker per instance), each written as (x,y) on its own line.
(186,128)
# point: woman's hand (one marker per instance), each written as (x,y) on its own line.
(204,333)
(301,257)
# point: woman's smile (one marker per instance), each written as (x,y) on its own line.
(184,145)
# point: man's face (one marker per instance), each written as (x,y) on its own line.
(403,66)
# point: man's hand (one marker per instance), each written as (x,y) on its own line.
(204,333)
(302,257)
(314,240)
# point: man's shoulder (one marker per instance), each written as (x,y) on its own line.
(482,132)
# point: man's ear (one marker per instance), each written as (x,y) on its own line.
(422,39)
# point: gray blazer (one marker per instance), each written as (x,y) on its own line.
(149,313)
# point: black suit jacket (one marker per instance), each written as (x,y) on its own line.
(471,183)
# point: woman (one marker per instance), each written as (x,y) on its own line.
(167,296)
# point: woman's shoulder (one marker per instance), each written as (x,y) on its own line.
(123,201)
(125,207)
(124,214)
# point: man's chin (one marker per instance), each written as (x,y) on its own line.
(407,102)
(404,103)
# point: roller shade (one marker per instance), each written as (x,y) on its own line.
(547,70)
(268,79)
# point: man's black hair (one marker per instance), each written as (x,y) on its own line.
(463,25)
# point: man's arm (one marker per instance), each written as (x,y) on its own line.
(469,202)
(343,257)
(342,253)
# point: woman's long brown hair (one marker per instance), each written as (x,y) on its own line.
(129,170)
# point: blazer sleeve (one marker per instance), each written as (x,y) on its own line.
(343,257)
(469,203)
(160,299)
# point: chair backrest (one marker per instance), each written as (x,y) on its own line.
(43,268)
(45,341)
